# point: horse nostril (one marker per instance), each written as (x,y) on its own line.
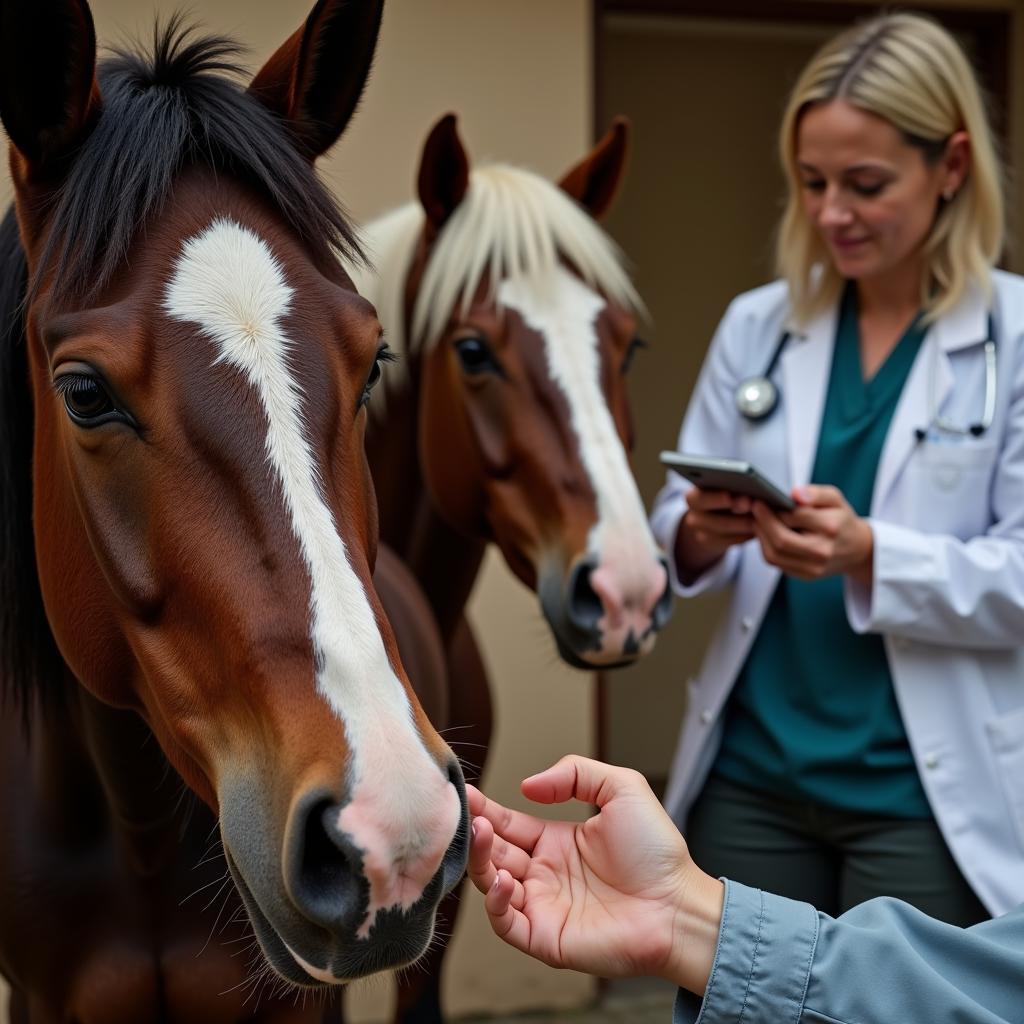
(585,607)
(327,884)
(663,609)
(453,864)
(456,777)
(324,867)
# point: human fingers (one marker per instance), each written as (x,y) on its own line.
(709,501)
(717,501)
(581,778)
(521,829)
(780,544)
(721,524)
(475,799)
(812,519)
(480,869)
(488,856)
(782,538)
(509,856)
(818,496)
(508,921)
(741,504)
(809,564)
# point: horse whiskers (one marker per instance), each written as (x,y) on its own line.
(205,885)
(266,977)
(214,831)
(470,771)
(214,849)
(226,881)
(213,929)
(256,972)
(239,916)
(209,858)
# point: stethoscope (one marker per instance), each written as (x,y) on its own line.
(757,397)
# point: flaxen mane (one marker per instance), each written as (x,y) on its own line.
(511,223)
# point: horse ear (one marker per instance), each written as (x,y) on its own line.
(49,99)
(316,77)
(444,173)
(594,181)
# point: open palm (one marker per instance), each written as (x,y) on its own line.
(600,896)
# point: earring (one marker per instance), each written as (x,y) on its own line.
(948,193)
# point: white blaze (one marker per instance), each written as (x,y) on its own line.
(564,312)
(403,812)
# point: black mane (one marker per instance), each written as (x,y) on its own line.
(184,104)
(27,649)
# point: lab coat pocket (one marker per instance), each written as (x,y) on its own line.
(949,486)
(1006,735)
(963,454)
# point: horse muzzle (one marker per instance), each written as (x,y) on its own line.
(332,908)
(601,620)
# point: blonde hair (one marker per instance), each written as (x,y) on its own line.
(908,70)
(511,223)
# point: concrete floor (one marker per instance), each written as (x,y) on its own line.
(645,1002)
(659,1012)
(641,1002)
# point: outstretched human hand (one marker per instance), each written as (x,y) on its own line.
(616,895)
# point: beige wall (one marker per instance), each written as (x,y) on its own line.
(518,74)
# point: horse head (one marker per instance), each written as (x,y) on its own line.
(197,365)
(521,326)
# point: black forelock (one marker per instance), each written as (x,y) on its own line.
(182,104)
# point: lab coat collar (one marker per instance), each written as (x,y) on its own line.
(805,365)
(965,324)
(928,385)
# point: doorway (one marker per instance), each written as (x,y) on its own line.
(704,84)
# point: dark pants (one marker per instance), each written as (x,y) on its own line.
(831,858)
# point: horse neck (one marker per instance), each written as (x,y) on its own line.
(103,766)
(393,454)
(446,563)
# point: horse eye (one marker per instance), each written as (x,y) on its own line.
(634,346)
(475,356)
(86,400)
(384,355)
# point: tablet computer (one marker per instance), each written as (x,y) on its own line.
(711,473)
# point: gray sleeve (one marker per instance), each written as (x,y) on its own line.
(762,963)
(780,961)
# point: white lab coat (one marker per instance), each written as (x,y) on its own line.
(948,587)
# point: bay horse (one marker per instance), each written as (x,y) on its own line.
(208,738)
(509,422)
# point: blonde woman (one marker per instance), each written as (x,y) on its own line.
(857,728)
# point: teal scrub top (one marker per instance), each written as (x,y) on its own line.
(813,715)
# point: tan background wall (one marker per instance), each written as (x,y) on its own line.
(519,76)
